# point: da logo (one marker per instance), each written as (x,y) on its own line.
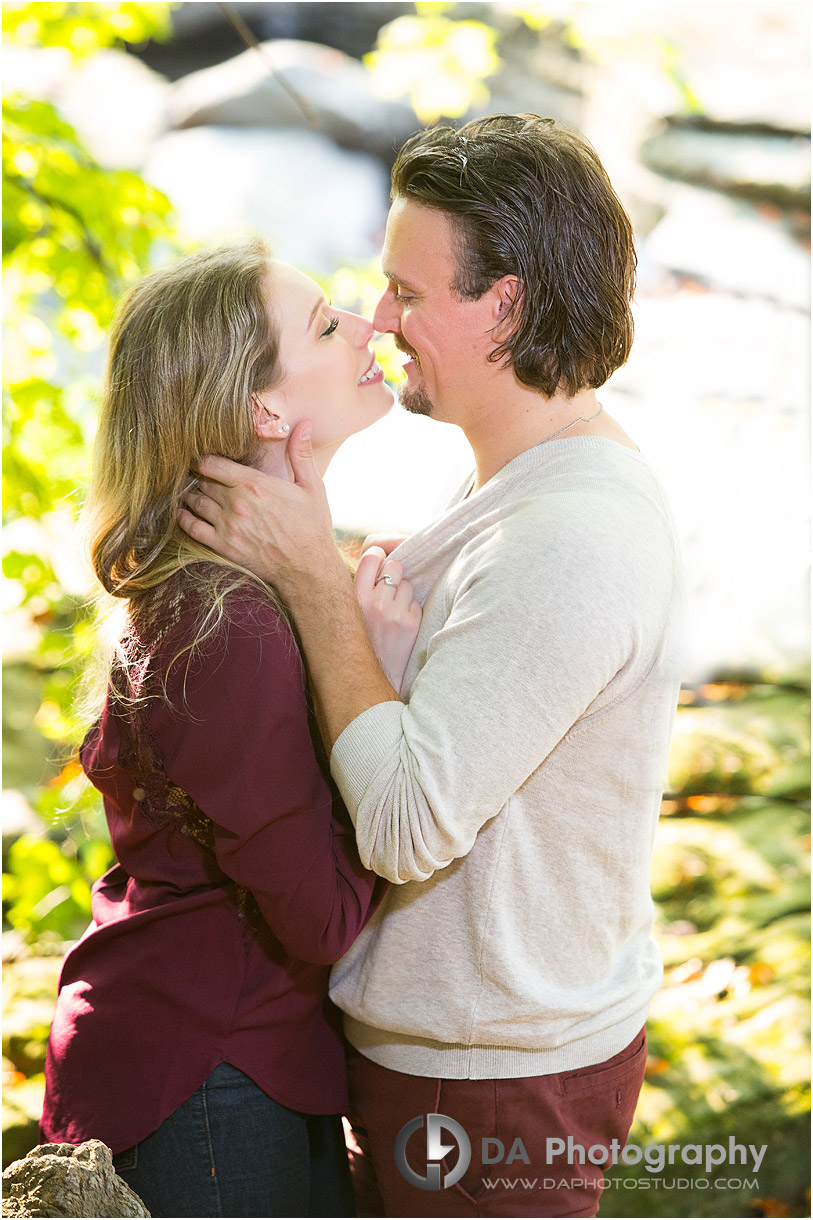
(436,1150)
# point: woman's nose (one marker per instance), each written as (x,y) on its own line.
(364,330)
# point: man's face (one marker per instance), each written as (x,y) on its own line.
(446,339)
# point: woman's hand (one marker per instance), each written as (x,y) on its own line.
(387,542)
(390,611)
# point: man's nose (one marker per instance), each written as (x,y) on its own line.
(386,319)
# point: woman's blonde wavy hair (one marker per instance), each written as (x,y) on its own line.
(190,346)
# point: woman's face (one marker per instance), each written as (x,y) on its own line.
(328,371)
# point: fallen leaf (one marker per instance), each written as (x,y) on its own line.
(70,771)
(770,1207)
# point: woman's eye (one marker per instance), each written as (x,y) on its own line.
(334,322)
(400,296)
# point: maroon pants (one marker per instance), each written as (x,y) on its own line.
(593,1105)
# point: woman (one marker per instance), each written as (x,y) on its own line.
(192,1032)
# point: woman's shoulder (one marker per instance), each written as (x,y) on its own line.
(249,608)
(225,608)
(209,593)
(213,618)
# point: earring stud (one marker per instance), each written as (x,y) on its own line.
(284,428)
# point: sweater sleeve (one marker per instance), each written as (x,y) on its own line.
(238,742)
(549,618)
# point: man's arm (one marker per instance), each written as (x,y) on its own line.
(558,604)
(282,531)
(553,615)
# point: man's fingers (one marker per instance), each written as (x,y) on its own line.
(223,470)
(300,455)
(215,491)
(203,505)
(201,531)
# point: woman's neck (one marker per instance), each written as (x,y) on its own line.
(272,458)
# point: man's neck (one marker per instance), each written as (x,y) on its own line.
(527,419)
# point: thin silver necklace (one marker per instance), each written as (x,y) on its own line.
(572,424)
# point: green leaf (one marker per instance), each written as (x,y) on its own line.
(439,63)
(84,27)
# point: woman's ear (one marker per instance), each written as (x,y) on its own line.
(267,422)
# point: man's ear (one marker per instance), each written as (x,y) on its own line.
(508,293)
(268,424)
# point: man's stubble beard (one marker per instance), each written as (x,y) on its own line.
(414,398)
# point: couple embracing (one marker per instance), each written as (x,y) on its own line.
(441,776)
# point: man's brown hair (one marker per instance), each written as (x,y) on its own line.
(529,197)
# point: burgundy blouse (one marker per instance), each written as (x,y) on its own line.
(237,884)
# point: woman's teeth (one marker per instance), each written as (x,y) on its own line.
(372,372)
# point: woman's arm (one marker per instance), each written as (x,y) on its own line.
(238,742)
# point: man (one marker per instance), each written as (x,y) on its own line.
(511,790)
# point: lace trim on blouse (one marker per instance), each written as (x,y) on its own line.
(162,800)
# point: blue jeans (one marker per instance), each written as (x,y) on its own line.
(230,1150)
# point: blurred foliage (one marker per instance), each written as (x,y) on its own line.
(29,987)
(729,1029)
(753,739)
(672,68)
(441,64)
(86,27)
(46,888)
(75,235)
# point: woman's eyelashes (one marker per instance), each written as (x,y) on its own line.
(334,322)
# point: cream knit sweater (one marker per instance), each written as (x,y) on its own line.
(513,797)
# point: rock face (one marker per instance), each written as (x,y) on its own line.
(336,91)
(317,204)
(541,74)
(203,36)
(726,245)
(763,165)
(64,1180)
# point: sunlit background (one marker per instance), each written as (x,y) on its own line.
(134,132)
